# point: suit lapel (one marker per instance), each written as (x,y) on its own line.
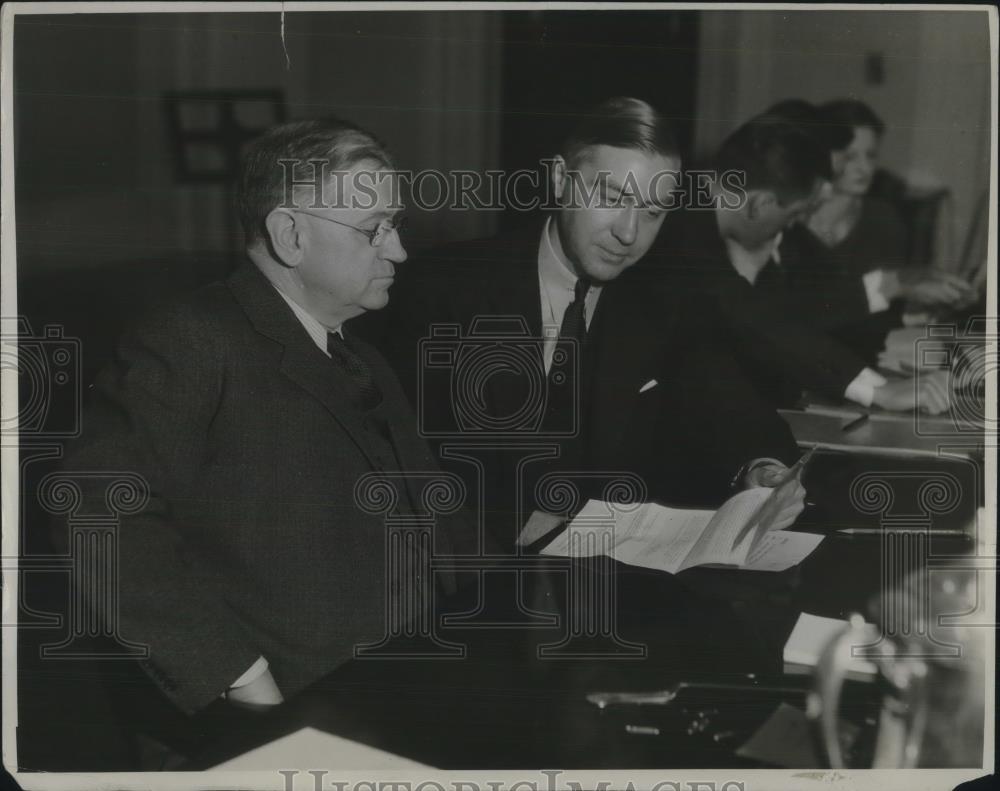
(301,361)
(412,453)
(623,354)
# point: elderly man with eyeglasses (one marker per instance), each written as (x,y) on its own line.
(251,412)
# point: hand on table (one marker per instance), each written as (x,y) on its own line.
(930,392)
(928,286)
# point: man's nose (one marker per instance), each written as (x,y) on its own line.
(626,226)
(392,248)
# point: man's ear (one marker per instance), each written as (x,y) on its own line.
(285,236)
(558,176)
(758,201)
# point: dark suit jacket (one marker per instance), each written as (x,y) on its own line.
(823,296)
(252,543)
(686,436)
(825,283)
(760,324)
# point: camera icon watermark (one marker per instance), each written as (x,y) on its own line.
(48,369)
(968,357)
(493,383)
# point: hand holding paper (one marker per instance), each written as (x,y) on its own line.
(783,506)
(672,539)
(789,496)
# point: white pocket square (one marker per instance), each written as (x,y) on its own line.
(648,386)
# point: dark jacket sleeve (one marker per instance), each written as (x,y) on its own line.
(825,284)
(781,355)
(148,419)
(714,419)
(819,293)
(775,347)
(731,422)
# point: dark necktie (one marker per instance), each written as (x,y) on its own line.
(564,373)
(574,323)
(358,372)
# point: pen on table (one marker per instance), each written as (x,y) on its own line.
(874,531)
(853,424)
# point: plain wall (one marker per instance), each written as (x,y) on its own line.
(934,96)
(95,177)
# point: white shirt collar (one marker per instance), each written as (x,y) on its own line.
(750,263)
(316,330)
(553,270)
(554,273)
(557,286)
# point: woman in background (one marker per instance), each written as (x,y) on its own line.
(859,233)
(847,261)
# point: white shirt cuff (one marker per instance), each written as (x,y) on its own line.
(873,282)
(862,389)
(256,670)
(739,479)
(921,319)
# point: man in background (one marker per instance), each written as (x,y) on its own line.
(768,175)
(845,264)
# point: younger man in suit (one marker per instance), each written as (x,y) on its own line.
(641,394)
(769,173)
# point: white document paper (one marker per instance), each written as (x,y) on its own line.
(672,539)
(779,550)
(538,524)
(716,542)
(640,535)
(812,634)
(317,750)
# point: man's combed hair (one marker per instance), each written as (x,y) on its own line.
(775,154)
(620,122)
(848,115)
(302,146)
(832,136)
